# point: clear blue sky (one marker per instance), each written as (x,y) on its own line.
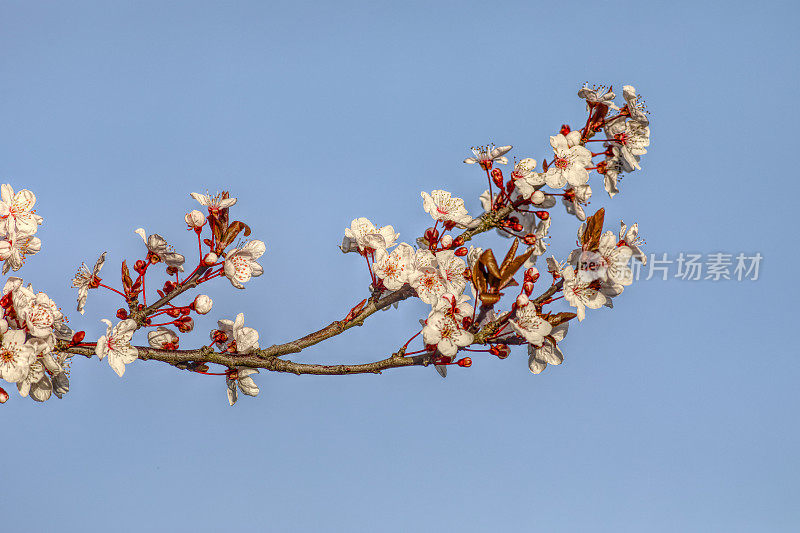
(676,411)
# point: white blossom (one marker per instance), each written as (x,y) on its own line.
(631,137)
(163,338)
(16,356)
(630,236)
(116,344)
(575,198)
(597,95)
(243,379)
(240,264)
(548,353)
(635,104)
(246,338)
(581,293)
(441,205)
(13,252)
(443,331)
(364,237)
(16,212)
(570,162)
(213,203)
(394,268)
(86,279)
(530,325)
(486,155)
(161,251)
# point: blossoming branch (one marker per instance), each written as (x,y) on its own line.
(478,304)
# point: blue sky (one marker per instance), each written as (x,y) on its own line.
(674,411)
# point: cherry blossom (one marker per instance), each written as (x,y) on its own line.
(571,160)
(530,325)
(245,338)
(243,378)
(16,356)
(394,269)
(597,95)
(241,265)
(444,332)
(13,252)
(486,155)
(548,353)
(86,279)
(163,339)
(575,198)
(159,250)
(364,237)
(16,212)
(442,206)
(635,105)
(581,293)
(631,137)
(615,259)
(116,344)
(214,203)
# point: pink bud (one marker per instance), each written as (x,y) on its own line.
(537,197)
(210,259)
(447,241)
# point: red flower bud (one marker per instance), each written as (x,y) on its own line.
(461,252)
(497,177)
(78,338)
(3,395)
(122,314)
(542,215)
(527,287)
(466,362)
(529,239)
(565,129)
(458,241)
(140,266)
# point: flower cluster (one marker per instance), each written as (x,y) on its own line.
(18,225)
(30,325)
(519,208)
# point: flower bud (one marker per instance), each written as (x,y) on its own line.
(210,259)
(3,395)
(497,177)
(432,235)
(139,266)
(522,299)
(202,304)
(565,129)
(461,252)
(537,197)
(195,219)
(466,362)
(122,314)
(527,287)
(542,215)
(458,241)
(529,239)
(185,324)
(532,274)
(78,338)
(447,241)
(162,338)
